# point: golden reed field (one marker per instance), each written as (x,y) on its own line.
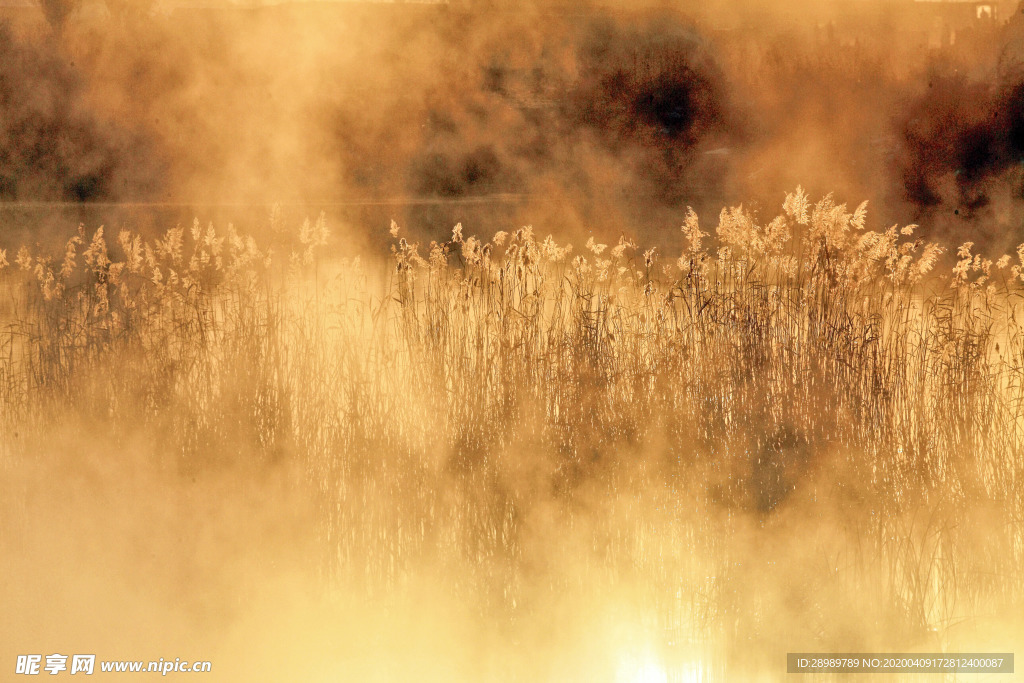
(505,408)
(504,458)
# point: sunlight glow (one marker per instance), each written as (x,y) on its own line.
(641,667)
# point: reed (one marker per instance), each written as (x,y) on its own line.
(786,418)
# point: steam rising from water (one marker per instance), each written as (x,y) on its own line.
(602,120)
(53,146)
(970,133)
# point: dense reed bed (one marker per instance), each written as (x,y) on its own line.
(794,435)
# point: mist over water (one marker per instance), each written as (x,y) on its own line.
(360,456)
(608,117)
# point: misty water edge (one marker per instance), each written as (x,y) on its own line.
(468,342)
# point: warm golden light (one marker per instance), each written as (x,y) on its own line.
(482,341)
(642,667)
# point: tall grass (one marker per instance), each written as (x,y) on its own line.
(798,434)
